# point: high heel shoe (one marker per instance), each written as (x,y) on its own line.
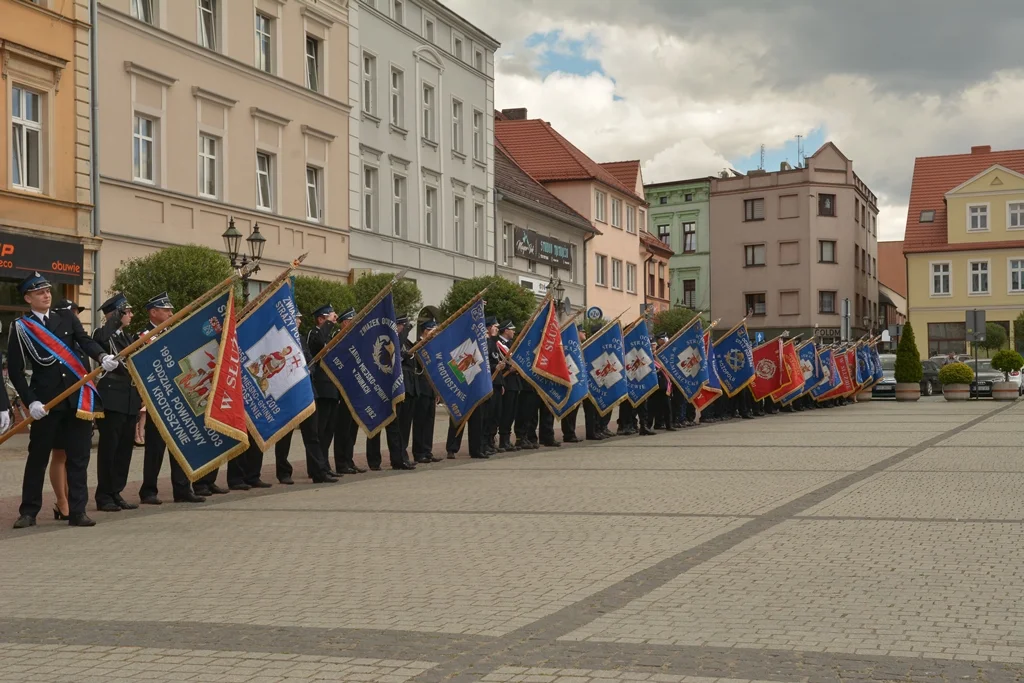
(58,515)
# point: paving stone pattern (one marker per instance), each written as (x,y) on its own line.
(878,542)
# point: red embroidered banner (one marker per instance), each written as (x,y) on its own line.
(769,372)
(795,376)
(225,412)
(549,361)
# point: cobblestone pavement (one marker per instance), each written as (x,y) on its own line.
(877,542)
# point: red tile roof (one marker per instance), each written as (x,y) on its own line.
(512,180)
(548,157)
(626,172)
(933,178)
(653,244)
(892,267)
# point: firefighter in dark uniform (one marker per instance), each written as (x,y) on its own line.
(395,434)
(492,414)
(121,405)
(424,407)
(49,379)
(659,405)
(327,396)
(346,429)
(511,385)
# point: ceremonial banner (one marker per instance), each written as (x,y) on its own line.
(810,371)
(851,363)
(455,361)
(794,380)
(549,359)
(175,374)
(844,383)
(225,411)
(877,362)
(864,370)
(575,363)
(734,360)
(684,359)
(709,393)
(769,372)
(829,375)
(366,366)
(604,359)
(641,375)
(527,349)
(278,390)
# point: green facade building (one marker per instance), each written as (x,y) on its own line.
(679,215)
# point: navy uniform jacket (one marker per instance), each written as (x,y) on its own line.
(117,390)
(48,381)
(409,367)
(513,382)
(494,356)
(317,339)
(423,386)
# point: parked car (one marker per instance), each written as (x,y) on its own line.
(984,376)
(887,387)
(944,359)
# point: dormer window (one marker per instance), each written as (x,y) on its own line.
(977,217)
(927,216)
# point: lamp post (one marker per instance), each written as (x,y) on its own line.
(556,288)
(233,243)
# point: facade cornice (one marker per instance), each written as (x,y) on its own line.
(258,113)
(203,94)
(464,26)
(317,133)
(317,16)
(144,71)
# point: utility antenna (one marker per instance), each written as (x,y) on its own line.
(761,167)
(800,151)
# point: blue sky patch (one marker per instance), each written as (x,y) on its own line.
(774,156)
(558,54)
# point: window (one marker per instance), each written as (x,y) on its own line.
(478,60)
(264,181)
(941,279)
(661,280)
(314,65)
(650,278)
(754,254)
(369,84)
(753,209)
(690,294)
(398,12)
(856,257)
(826,251)
(143,147)
(398,205)
(601,270)
(631,219)
(572,259)
(600,202)
(756,304)
(874,269)
(478,228)
(264,43)
(397,97)
(826,302)
(370,196)
(27,150)
(826,205)
(314,193)
(630,277)
(979,277)
(616,274)
(458,211)
(143,11)
(864,215)
(208,24)
(1015,215)
(689,238)
(946,338)
(457,138)
(428,112)
(428,29)
(457,46)
(664,233)
(208,167)
(1016,275)
(429,227)
(856,210)
(616,213)
(478,135)
(663,200)
(977,217)
(688,197)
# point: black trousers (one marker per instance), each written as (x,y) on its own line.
(546,420)
(492,414)
(590,418)
(396,450)
(406,410)
(627,416)
(327,415)
(475,427)
(153,462)
(509,407)
(569,423)
(316,461)
(345,431)
(247,467)
(76,435)
(659,410)
(526,416)
(424,411)
(114,454)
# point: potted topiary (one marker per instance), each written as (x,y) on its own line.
(908,372)
(956,381)
(1006,361)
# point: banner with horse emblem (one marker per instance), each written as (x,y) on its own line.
(278,391)
(186,373)
(684,358)
(734,360)
(605,365)
(575,363)
(526,352)
(641,375)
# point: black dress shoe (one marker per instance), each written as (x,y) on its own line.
(348,470)
(332,473)
(151,500)
(451,456)
(189,498)
(202,491)
(404,466)
(551,444)
(24,522)
(80,519)
(423,461)
(376,469)
(596,437)
(109,507)
(572,438)
(124,504)
(433,459)
(326,479)
(239,487)
(287,481)
(482,456)
(359,470)
(260,484)
(217,490)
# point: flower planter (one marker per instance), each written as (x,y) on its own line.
(956,392)
(1004,391)
(908,391)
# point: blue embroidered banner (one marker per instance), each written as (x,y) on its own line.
(830,378)
(604,359)
(808,354)
(574,359)
(684,359)
(864,370)
(877,363)
(734,360)
(641,375)
(524,352)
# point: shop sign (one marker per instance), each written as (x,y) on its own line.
(531,246)
(58,261)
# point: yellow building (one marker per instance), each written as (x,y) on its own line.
(46,142)
(964,245)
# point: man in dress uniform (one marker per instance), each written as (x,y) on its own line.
(328,398)
(492,414)
(161,309)
(511,384)
(54,331)
(424,407)
(397,452)
(121,405)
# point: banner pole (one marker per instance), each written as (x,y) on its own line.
(269,289)
(465,307)
(358,316)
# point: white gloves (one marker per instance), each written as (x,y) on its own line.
(5,421)
(37,411)
(109,363)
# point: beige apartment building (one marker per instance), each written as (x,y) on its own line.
(788,247)
(219,109)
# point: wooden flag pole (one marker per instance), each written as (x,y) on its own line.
(607,325)
(269,289)
(135,346)
(465,307)
(358,316)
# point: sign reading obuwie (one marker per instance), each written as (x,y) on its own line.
(58,261)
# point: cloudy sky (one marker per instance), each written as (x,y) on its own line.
(693,86)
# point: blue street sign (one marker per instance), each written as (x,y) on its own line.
(594,313)
(759,337)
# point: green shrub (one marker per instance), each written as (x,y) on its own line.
(956,373)
(908,360)
(313,292)
(995,337)
(1007,361)
(505,299)
(672,320)
(406,293)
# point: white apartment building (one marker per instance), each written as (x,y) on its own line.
(422,166)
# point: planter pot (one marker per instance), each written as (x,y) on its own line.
(956,392)
(908,391)
(1004,391)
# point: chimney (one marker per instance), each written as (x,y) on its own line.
(515,114)
(981,149)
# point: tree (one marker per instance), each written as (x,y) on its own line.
(1007,361)
(672,320)
(592,326)
(995,337)
(407,295)
(313,292)
(505,299)
(1018,332)
(908,360)
(185,272)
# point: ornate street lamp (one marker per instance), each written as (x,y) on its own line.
(233,244)
(557,291)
